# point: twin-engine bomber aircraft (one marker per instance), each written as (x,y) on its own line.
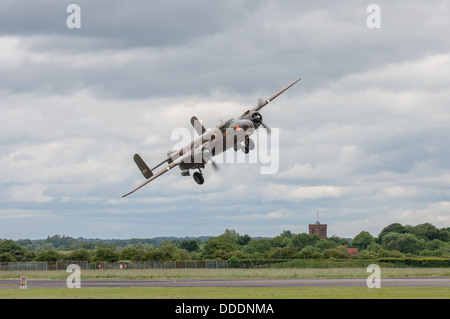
(210,143)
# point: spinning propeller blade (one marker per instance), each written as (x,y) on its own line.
(214,164)
(266,127)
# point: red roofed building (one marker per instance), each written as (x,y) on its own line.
(351,251)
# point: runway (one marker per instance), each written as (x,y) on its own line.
(128,283)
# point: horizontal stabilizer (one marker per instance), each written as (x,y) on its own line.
(165,170)
(142,166)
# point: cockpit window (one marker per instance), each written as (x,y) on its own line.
(244,125)
(226,125)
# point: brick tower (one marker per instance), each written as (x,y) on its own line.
(318,229)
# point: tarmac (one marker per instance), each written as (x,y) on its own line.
(128,283)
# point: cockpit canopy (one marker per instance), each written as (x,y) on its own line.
(223,126)
(238,125)
(244,125)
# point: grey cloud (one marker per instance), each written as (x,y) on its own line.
(196,48)
(364,135)
(121,24)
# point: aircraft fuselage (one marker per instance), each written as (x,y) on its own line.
(213,142)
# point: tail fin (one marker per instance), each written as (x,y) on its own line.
(142,166)
(199,128)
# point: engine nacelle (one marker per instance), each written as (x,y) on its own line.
(256,118)
(207,153)
(185,172)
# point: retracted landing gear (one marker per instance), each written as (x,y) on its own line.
(246,147)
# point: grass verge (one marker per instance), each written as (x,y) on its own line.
(229,293)
(286,273)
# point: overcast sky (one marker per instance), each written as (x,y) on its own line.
(364,137)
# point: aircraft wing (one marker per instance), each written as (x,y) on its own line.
(265,102)
(155,176)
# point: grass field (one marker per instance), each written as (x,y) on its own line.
(227,293)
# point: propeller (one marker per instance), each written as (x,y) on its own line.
(266,127)
(214,164)
(260,103)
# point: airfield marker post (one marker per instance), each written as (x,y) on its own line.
(23,282)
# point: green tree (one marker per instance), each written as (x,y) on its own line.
(323,244)
(425,231)
(338,253)
(214,244)
(79,254)
(373,247)
(190,244)
(367,254)
(288,252)
(222,254)
(61,243)
(405,243)
(6,257)
(362,240)
(166,252)
(310,252)
(105,255)
(302,240)
(339,241)
(392,228)
(280,241)
(435,244)
(286,233)
(131,253)
(384,253)
(445,234)
(17,252)
(445,251)
(44,247)
(243,240)
(49,255)
(257,246)
(230,236)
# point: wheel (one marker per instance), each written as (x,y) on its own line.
(250,143)
(246,146)
(198,178)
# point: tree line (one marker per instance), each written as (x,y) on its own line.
(395,240)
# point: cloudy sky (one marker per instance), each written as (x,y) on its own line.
(364,137)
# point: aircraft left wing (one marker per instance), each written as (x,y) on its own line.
(155,176)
